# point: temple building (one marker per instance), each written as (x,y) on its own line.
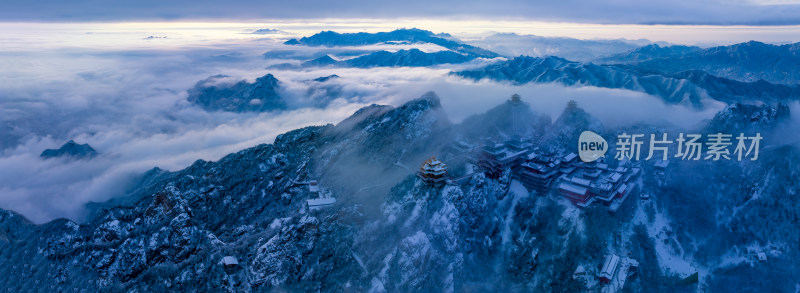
(543,169)
(539,172)
(609,269)
(433,171)
(615,272)
(576,189)
(494,158)
(538,177)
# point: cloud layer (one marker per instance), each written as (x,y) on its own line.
(130,105)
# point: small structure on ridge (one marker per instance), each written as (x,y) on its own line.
(229,262)
(433,171)
(319,203)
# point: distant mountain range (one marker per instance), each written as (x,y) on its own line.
(647,53)
(686,75)
(510,44)
(411,57)
(281,54)
(400,58)
(408,36)
(688,88)
(749,62)
(266,31)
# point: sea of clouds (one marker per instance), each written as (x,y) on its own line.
(129,103)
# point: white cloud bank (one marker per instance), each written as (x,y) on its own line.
(131,106)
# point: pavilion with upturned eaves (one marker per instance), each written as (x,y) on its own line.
(433,171)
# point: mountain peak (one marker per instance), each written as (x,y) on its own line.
(321,61)
(70,149)
(752,43)
(325,78)
(417,118)
(431,98)
(739,117)
(515,117)
(218,92)
(574,115)
(364,114)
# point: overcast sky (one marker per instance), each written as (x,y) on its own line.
(719,12)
